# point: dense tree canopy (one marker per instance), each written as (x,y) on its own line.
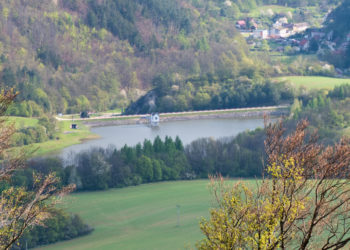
(98,55)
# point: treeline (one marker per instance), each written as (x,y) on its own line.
(160,160)
(61,226)
(211,93)
(241,156)
(329,113)
(99,168)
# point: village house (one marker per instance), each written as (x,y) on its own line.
(241,24)
(283,20)
(317,34)
(248,24)
(228,3)
(280,32)
(300,27)
(304,44)
(289,26)
(280,22)
(261,34)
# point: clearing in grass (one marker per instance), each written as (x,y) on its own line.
(314,82)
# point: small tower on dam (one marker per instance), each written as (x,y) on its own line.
(154,120)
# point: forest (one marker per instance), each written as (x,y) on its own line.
(209,92)
(66,60)
(86,55)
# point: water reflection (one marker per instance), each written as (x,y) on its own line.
(188,131)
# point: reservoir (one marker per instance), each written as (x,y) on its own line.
(188,131)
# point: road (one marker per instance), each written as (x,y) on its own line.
(112,116)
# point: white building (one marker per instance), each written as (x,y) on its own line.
(280,32)
(300,27)
(261,34)
(155,118)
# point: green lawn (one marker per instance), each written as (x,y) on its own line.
(264,10)
(65,137)
(22,122)
(314,82)
(142,217)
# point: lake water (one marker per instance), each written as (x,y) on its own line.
(188,131)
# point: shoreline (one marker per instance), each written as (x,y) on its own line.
(186,117)
(69,137)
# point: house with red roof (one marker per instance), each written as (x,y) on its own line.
(241,24)
(304,44)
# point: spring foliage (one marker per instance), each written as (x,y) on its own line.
(302,204)
(19,208)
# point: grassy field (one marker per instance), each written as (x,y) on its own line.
(263,10)
(314,82)
(142,217)
(22,122)
(65,137)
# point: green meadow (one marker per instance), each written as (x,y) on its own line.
(65,136)
(264,10)
(22,122)
(141,217)
(314,82)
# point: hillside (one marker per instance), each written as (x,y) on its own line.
(338,21)
(65,56)
(338,25)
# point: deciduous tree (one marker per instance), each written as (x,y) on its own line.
(19,208)
(302,203)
